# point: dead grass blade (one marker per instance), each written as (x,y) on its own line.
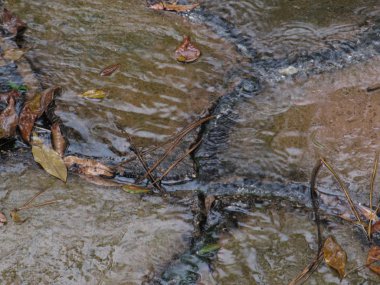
(174,164)
(345,190)
(175,143)
(308,270)
(37,205)
(144,164)
(371,190)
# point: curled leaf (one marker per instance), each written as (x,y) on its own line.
(94,94)
(88,167)
(109,70)
(3,219)
(58,140)
(173,7)
(187,52)
(16,217)
(50,161)
(13,54)
(12,24)
(8,119)
(208,202)
(335,256)
(135,189)
(372,258)
(33,109)
(208,249)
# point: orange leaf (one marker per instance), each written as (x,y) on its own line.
(109,70)
(372,258)
(334,255)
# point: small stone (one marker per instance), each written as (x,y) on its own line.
(290,70)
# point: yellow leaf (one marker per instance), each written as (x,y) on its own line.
(94,94)
(50,161)
(135,189)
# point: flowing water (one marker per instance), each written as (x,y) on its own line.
(101,236)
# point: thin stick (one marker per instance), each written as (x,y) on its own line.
(359,268)
(33,198)
(372,187)
(143,163)
(315,202)
(37,205)
(307,271)
(345,190)
(186,130)
(174,164)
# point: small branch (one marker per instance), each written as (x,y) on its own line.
(37,205)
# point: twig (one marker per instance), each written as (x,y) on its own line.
(183,133)
(174,164)
(371,190)
(143,163)
(33,198)
(37,205)
(315,202)
(345,190)
(359,268)
(308,270)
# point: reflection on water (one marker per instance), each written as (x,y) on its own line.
(278,27)
(151,96)
(283,131)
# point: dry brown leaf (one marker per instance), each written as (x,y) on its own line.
(12,24)
(375,227)
(187,52)
(58,140)
(208,202)
(16,217)
(372,258)
(32,110)
(8,120)
(335,256)
(4,97)
(13,54)
(109,70)
(3,219)
(88,167)
(173,7)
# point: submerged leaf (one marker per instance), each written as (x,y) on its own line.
(335,256)
(187,52)
(13,54)
(3,219)
(209,248)
(109,70)
(135,189)
(173,7)
(94,94)
(8,119)
(50,161)
(12,24)
(16,217)
(88,167)
(58,140)
(372,258)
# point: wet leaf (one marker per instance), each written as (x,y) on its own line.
(209,248)
(50,161)
(187,52)
(335,256)
(13,54)
(109,70)
(16,217)
(94,94)
(88,167)
(173,7)
(372,258)
(12,24)
(20,88)
(135,189)
(33,109)
(208,202)
(8,119)
(3,219)
(58,140)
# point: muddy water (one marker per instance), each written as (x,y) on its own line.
(101,236)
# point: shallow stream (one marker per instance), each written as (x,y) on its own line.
(98,235)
